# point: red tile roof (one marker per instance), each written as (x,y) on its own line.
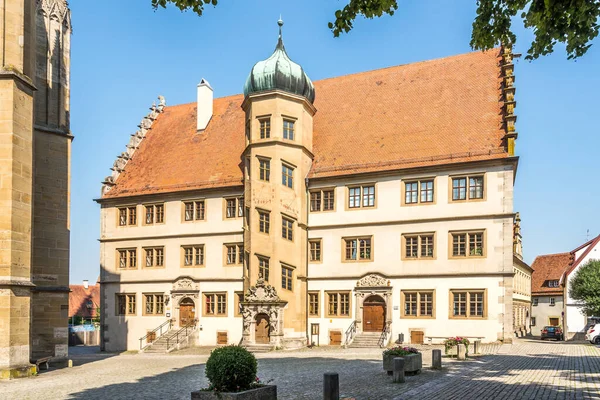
(434,112)
(79,299)
(590,246)
(547,268)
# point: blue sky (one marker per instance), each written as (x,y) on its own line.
(124,55)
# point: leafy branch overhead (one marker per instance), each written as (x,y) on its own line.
(571,22)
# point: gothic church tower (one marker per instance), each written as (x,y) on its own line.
(34,182)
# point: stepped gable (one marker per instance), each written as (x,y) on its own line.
(435,112)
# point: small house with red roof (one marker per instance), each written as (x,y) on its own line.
(84,303)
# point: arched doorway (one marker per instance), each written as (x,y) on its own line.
(262,331)
(373,314)
(187,311)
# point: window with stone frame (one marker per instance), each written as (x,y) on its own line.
(194,210)
(153,303)
(264,221)
(418,304)
(361,196)
(265,128)
(286,277)
(467,188)
(468,303)
(263,268)
(418,245)
(468,244)
(287,176)
(313,304)
(419,191)
(215,304)
(315,201)
(127,258)
(264,169)
(155,256)
(338,304)
(234,207)
(234,253)
(315,249)
(193,255)
(287,228)
(239,298)
(552,301)
(155,214)
(322,200)
(125,304)
(128,216)
(534,301)
(358,249)
(288,129)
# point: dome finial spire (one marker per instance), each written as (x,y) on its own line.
(280,41)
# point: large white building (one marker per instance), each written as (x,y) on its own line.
(378,204)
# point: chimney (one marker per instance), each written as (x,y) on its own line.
(205,104)
(86,284)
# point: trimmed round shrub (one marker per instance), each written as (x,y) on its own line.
(231,369)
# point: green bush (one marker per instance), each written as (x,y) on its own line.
(231,369)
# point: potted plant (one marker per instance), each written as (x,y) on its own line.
(413,360)
(231,372)
(450,345)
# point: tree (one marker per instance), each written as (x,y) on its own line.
(585,287)
(572,22)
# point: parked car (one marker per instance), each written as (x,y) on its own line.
(593,334)
(552,332)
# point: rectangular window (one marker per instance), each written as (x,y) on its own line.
(315,201)
(122,258)
(286,277)
(419,246)
(128,216)
(264,221)
(287,176)
(552,301)
(358,249)
(468,303)
(532,321)
(338,304)
(468,244)
(313,304)
(240,207)
(193,255)
(155,257)
(328,200)
(263,268)
(315,249)
(265,128)
(132,258)
(534,301)
(194,210)
(154,304)
(231,207)
(239,298)
(125,304)
(155,214)
(149,215)
(287,228)
(474,190)
(288,129)
(234,253)
(264,167)
(418,304)
(365,193)
(419,191)
(553,284)
(132,212)
(215,304)
(122,216)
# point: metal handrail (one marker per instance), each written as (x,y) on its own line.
(157,329)
(350,333)
(189,326)
(386,330)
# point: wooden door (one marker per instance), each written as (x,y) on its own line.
(261,331)
(222,338)
(335,338)
(553,321)
(373,314)
(416,337)
(186,314)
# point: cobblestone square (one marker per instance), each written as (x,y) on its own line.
(527,369)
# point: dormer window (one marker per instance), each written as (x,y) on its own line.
(265,128)
(288,129)
(553,283)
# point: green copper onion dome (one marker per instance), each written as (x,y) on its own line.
(281,73)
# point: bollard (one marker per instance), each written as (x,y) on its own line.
(331,386)
(398,370)
(70,363)
(477,347)
(436,357)
(461,353)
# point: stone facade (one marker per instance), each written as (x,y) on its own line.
(34,125)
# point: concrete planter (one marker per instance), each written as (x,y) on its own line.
(268,392)
(452,351)
(413,363)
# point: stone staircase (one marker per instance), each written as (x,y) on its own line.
(259,348)
(160,344)
(365,340)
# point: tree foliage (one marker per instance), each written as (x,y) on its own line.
(585,287)
(571,22)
